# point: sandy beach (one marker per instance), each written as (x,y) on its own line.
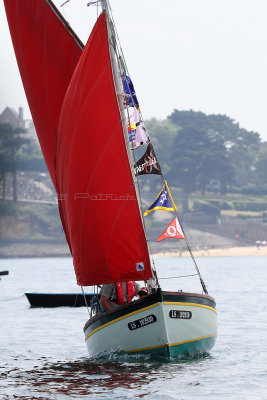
(226,252)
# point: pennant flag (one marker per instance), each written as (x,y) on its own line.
(163,201)
(148,164)
(141,136)
(173,230)
(129,89)
(136,130)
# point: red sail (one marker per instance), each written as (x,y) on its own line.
(99,204)
(47,54)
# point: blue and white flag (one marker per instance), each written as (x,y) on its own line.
(129,89)
(163,201)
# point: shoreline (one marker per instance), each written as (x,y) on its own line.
(35,250)
(244,251)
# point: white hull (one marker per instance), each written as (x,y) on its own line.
(167,324)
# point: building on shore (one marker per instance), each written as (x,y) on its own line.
(16,119)
(11,117)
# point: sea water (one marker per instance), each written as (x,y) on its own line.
(43,355)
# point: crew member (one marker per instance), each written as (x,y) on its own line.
(115,294)
(142,292)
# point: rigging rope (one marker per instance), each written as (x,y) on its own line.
(180,276)
(85,300)
(92,3)
(65,2)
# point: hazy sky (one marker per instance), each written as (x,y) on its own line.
(205,55)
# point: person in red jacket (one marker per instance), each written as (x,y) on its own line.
(115,294)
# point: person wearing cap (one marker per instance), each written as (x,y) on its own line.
(113,295)
(142,292)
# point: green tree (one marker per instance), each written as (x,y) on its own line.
(186,161)
(198,157)
(33,162)
(163,134)
(242,155)
(4,168)
(261,166)
(240,144)
(12,141)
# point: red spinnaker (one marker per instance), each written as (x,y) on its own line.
(47,54)
(99,205)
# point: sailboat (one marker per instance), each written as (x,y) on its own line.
(89,124)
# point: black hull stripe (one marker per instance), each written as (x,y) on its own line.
(108,316)
(187,298)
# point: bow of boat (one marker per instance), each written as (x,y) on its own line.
(164,323)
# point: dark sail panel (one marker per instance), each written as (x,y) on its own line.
(99,204)
(47,53)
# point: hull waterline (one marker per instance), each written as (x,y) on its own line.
(166,324)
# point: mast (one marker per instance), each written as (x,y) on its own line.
(117,72)
(117,82)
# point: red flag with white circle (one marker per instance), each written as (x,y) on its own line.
(173,230)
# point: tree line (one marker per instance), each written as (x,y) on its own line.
(197,152)
(200,152)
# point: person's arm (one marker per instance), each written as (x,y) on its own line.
(137,288)
(105,303)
